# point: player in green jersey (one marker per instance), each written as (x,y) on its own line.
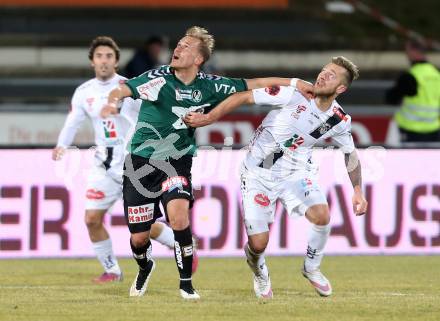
(158,168)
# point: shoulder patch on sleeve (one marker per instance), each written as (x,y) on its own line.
(150,90)
(273,91)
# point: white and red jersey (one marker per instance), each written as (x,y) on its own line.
(111,134)
(283,143)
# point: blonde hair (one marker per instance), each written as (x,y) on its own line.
(350,67)
(206,40)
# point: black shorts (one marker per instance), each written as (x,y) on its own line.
(147,182)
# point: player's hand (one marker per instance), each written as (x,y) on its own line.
(360,204)
(194,119)
(305,88)
(58,153)
(108,110)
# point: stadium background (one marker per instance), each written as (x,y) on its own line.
(43,57)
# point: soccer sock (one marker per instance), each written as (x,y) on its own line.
(183,253)
(256,261)
(142,255)
(105,255)
(166,237)
(315,250)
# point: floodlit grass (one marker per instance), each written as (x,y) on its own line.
(365,288)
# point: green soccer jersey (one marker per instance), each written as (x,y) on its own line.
(160,132)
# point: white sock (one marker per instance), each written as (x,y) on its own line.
(166,237)
(256,262)
(104,252)
(315,250)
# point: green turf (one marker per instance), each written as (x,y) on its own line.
(365,288)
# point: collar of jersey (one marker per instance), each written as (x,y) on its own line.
(200,75)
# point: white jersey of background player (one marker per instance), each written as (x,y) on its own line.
(278,165)
(104,185)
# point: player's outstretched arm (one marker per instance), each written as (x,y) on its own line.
(353,165)
(194,119)
(114,99)
(304,87)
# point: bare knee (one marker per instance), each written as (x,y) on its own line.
(93,219)
(318,214)
(178,214)
(258,242)
(140,239)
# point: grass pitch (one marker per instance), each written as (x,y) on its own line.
(365,288)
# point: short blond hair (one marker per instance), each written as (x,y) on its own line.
(349,66)
(206,40)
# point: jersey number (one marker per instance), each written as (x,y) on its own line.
(180,112)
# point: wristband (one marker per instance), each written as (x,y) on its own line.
(293,82)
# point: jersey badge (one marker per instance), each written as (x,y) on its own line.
(196,96)
(325,127)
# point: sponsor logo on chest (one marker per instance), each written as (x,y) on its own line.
(298,111)
(225,89)
(141,213)
(189,94)
(109,128)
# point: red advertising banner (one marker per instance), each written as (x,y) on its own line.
(42,206)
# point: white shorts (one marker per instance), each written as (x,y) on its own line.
(102,190)
(296,192)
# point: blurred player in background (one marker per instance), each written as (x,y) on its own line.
(279,165)
(145,58)
(158,170)
(104,186)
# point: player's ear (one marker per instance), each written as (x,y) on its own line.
(340,89)
(199,60)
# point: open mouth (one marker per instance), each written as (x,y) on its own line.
(175,57)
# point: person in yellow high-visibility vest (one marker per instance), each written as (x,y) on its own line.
(418,92)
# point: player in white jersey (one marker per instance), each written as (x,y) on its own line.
(104,186)
(279,166)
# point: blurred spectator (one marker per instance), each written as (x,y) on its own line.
(418,92)
(145,58)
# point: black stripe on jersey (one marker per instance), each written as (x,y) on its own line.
(270,159)
(332,121)
(109,158)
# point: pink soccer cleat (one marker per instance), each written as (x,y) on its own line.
(318,281)
(108,277)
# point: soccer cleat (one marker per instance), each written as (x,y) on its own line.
(318,281)
(140,283)
(108,277)
(263,287)
(195,262)
(188,293)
